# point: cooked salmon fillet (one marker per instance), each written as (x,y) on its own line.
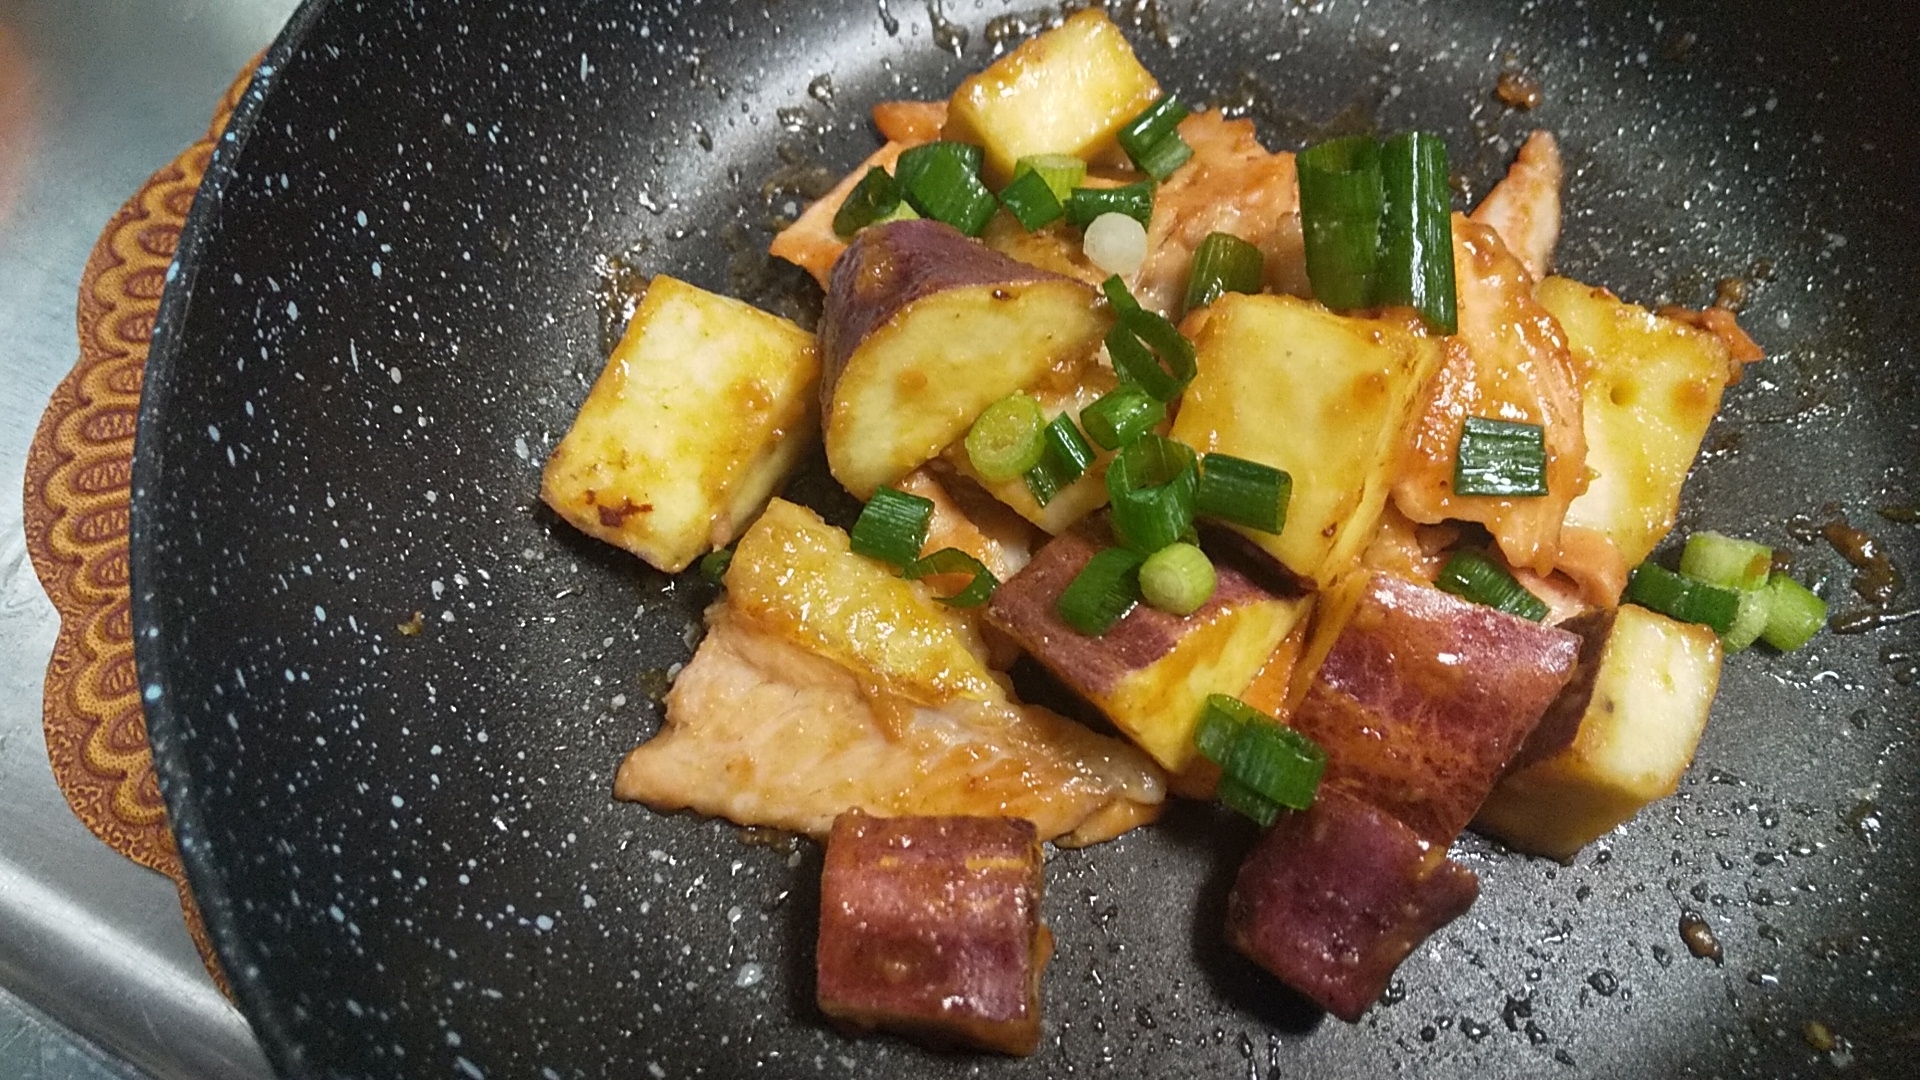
(763,732)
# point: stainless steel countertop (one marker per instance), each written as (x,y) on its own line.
(93,951)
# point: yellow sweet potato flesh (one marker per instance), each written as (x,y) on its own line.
(1651,387)
(1648,705)
(1067,91)
(1159,705)
(1072,502)
(917,382)
(703,408)
(794,575)
(1285,382)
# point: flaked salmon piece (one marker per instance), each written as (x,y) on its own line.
(763,732)
(910,122)
(1524,207)
(1509,362)
(1232,185)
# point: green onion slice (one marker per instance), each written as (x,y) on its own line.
(1474,576)
(713,565)
(892,527)
(1223,263)
(942,181)
(1242,799)
(1134,200)
(1151,485)
(1102,592)
(1122,415)
(1794,613)
(1031,201)
(1341,203)
(1178,579)
(1726,561)
(1119,297)
(1416,230)
(1243,492)
(1146,348)
(1005,439)
(1062,172)
(1500,457)
(1749,621)
(1153,140)
(954,561)
(1654,586)
(1257,752)
(1064,458)
(871,200)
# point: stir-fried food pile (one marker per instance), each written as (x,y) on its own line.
(1332,503)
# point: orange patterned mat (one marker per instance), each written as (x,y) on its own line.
(77,507)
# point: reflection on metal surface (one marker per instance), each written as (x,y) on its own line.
(94,95)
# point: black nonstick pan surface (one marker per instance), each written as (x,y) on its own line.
(398,283)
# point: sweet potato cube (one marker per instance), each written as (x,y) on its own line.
(1421,699)
(1333,899)
(795,575)
(1288,383)
(1652,386)
(1067,91)
(930,927)
(702,410)
(921,330)
(1152,671)
(1619,738)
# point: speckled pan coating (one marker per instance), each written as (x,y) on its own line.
(385,312)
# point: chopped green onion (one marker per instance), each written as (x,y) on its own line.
(942,181)
(1260,754)
(1062,172)
(1153,140)
(1726,561)
(1794,613)
(954,561)
(1067,452)
(1472,575)
(1102,592)
(1165,157)
(1005,438)
(713,565)
(1122,415)
(1065,457)
(1416,237)
(1119,297)
(1134,200)
(1146,348)
(1177,579)
(1654,586)
(892,527)
(871,200)
(1223,263)
(1151,485)
(1243,800)
(1341,202)
(1749,621)
(1031,201)
(1500,457)
(1243,492)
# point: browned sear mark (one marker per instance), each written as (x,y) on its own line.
(614,516)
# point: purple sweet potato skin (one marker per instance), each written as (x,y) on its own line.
(930,927)
(888,267)
(1333,899)
(1425,698)
(1023,609)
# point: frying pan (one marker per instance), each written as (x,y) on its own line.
(396,288)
